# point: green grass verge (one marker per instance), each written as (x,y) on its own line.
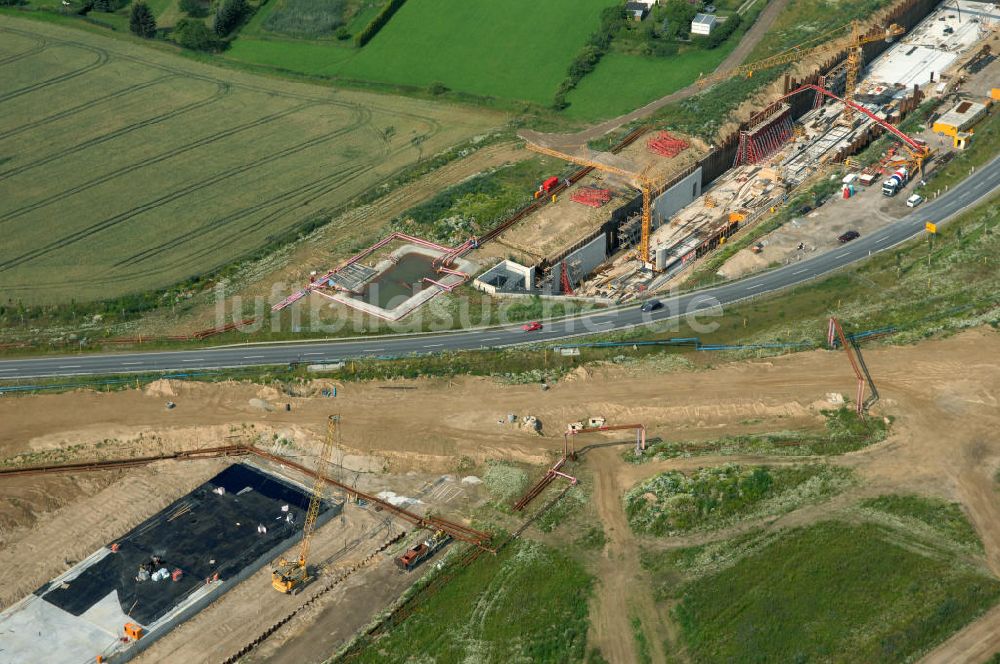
(673,502)
(831,592)
(843,432)
(475,205)
(592,539)
(639,79)
(641,643)
(948,519)
(528,603)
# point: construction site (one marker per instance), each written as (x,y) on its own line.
(633,221)
(137,537)
(305,513)
(800,139)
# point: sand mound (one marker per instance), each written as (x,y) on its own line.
(160,388)
(260,404)
(268,393)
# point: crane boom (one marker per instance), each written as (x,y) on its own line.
(316,499)
(917,151)
(581,161)
(640,180)
(291,575)
(813,47)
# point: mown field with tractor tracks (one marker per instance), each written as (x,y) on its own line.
(124,169)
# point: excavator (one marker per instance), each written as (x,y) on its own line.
(291,576)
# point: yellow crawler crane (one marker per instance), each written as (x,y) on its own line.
(292,575)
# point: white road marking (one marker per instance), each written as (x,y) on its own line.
(189,360)
(70,366)
(312,353)
(491,339)
(881,239)
(843,254)
(373,350)
(130,364)
(434,345)
(6,370)
(755,286)
(805,269)
(252,357)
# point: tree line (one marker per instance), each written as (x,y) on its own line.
(378,22)
(190,32)
(612,20)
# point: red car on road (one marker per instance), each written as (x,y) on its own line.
(532,326)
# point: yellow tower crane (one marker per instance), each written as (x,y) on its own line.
(292,575)
(819,45)
(641,181)
(855,56)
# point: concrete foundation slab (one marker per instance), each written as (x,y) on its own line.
(206,542)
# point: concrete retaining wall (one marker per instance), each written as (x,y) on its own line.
(589,255)
(505,267)
(678,196)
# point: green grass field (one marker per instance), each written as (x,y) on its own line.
(515,50)
(637,80)
(124,170)
(830,592)
(844,432)
(527,604)
(676,502)
(946,518)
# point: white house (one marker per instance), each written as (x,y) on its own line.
(640,8)
(703,24)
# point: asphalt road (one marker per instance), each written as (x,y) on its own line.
(974,188)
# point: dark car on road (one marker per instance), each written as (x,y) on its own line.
(650,305)
(848,236)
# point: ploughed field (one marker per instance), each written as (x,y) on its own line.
(124,169)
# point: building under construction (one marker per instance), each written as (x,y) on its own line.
(789,144)
(123,597)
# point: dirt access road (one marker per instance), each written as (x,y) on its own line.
(572,142)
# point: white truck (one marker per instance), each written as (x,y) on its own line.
(896,181)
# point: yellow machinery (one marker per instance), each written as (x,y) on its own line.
(854,57)
(643,183)
(819,45)
(292,575)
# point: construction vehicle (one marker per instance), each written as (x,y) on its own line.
(421,552)
(917,151)
(549,184)
(896,181)
(291,576)
(640,180)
